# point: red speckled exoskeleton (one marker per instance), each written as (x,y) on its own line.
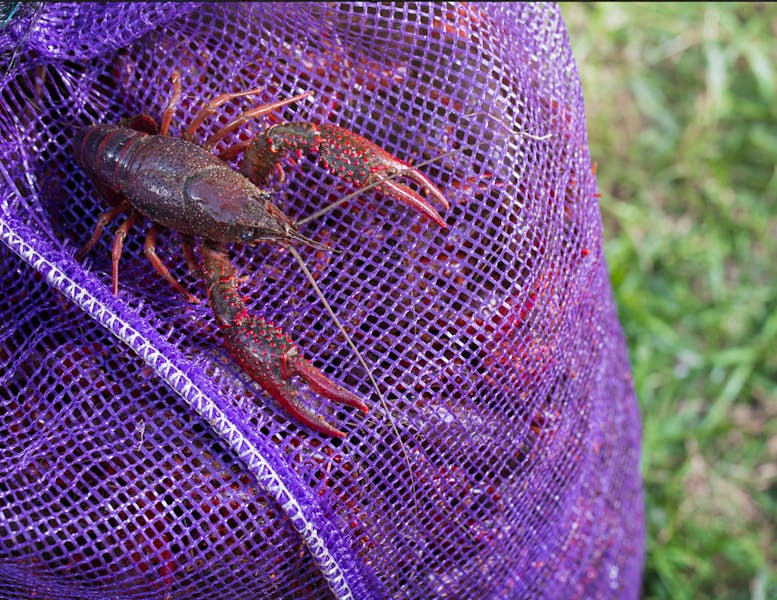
(178,184)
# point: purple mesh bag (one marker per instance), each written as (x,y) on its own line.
(137,460)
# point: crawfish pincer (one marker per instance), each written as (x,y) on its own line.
(141,171)
(265,351)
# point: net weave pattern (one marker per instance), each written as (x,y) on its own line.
(138,461)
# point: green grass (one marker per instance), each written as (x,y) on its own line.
(681,101)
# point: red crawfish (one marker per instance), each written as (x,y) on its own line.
(176,183)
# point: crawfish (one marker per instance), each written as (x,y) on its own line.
(142,171)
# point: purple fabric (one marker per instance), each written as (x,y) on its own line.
(137,461)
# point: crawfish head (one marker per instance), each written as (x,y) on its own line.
(246,210)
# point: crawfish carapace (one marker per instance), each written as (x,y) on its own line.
(174,182)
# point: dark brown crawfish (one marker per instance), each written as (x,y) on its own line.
(178,184)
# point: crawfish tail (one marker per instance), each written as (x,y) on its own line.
(104,150)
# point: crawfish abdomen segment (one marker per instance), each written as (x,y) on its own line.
(100,150)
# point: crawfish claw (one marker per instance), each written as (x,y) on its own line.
(407,196)
(324,386)
(272,360)
(343,153)
(264,351)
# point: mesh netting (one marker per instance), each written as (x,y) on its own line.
(138,461)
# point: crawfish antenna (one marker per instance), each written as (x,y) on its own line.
(362,362)
(296,235)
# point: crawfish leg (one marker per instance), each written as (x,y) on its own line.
(149,249)
(263,350)
(211,107)
(143,122)
(234,150)
(104,219)
(167,115)
(247,115)
(118,244)
(187,249)
(345,154)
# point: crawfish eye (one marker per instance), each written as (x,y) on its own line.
(246,236)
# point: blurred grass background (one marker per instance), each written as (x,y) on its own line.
(681,101)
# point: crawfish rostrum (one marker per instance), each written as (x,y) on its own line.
(141,171)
